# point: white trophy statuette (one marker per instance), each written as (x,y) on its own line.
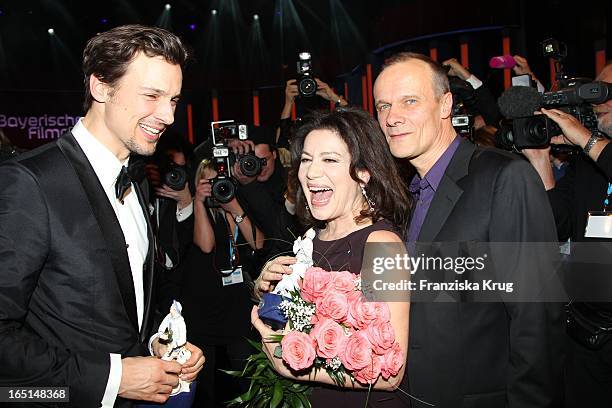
(302,248)
(174,331)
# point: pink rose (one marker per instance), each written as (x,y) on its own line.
(357,352)
(383,314)
(314,284)
(333,305)
(382,336)
(392,361)
(329,337)
(369,374)
(298,350)
(344,281)
(353,297)
(362,312)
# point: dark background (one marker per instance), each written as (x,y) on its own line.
(41,74)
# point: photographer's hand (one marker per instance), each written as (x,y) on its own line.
(240,147)
(182,197)
(540,160)
(522,67)
(203,190)
(456,69)
(327,93)
(291,92)
(152,174)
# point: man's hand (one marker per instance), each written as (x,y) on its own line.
(573,131)
(456,69)
(194,365)
(522,67)
(182,197)
(240,147)
(148,378)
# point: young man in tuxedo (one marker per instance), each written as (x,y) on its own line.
(76,244)
(462,353)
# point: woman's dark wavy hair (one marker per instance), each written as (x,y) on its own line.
(369,151)
(108,54)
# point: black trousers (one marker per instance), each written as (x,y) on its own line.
(588,376)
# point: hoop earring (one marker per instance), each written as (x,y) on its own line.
(369,201)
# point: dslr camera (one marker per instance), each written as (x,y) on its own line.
(223,158)
(307,86)
(172,175)
(575,96)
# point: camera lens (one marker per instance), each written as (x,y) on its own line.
(250,165)
(176,178)
(223,190)
(307,86)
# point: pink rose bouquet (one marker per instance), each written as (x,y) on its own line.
(331,327)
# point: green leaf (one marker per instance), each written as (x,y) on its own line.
(304,400)
(232,373)
(277,395)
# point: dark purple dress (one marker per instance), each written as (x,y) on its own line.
(345,254)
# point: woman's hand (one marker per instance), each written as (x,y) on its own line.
(203,190)
(268,346)
(272,272)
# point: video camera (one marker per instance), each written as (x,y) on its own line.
(223,158)
(307,86)
(523,130)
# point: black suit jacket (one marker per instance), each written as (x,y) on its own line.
(499,354)
(66,289)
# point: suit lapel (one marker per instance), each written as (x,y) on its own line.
(448,192)
(107,221)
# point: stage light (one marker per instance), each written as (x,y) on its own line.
(51,31)
(213,12)
(104,21)
(192,27)
(168,6)
(255,17)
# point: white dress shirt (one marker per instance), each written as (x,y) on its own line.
(133,224)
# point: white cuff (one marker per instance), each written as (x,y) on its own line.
(114,381)
(475,82)
(184,213)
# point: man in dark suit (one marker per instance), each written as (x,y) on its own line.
(462,353)
(76,246)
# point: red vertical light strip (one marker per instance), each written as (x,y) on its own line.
(553,78)
(215,108)
(293,112)
(364,92)
(369,83)
(256,108)
(345,90)
(190,123)
(600,61)
(506,51)
(465,55)
(433,54)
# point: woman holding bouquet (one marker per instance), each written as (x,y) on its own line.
(347,187)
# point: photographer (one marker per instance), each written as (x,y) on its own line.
(292,93)
(584,187)
(264,194)
(216,287)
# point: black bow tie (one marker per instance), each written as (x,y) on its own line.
(123,183)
